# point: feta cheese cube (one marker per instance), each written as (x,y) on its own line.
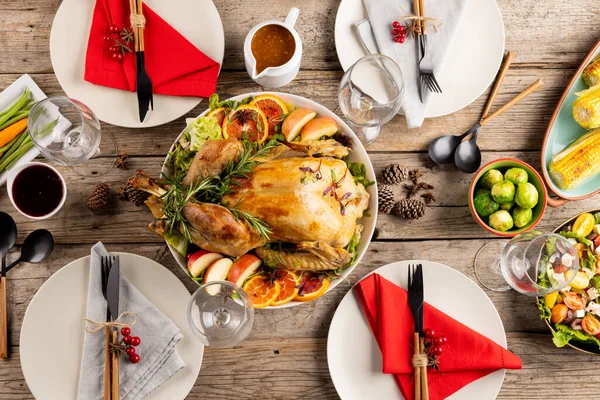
(565,289)
(593,293)
(597,251)
(579,313)
(590,274)
(593,308)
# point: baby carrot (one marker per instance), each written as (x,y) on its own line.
(9,133)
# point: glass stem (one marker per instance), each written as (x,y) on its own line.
(366,134)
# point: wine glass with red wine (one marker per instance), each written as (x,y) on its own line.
(67,132)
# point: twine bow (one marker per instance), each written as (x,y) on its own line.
(137,20)
(420,361)
(435,21)
(95,326)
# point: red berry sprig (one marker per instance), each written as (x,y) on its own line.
(434,347)
(128,345)
(121,39)
(398,32)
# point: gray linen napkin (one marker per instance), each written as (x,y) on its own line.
(159,358)
(381,15)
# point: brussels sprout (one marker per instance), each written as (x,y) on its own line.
(503,192)
(527,195)
(507,206)
(480,190)
(485,205)
(490,178)
(522,216)
(501,220)
(516,175)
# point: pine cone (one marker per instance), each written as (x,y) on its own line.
(386,199)
(98,198)
(137,197)
(409,208)
(394,173)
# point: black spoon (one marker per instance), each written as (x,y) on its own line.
(8,237)
(38,245)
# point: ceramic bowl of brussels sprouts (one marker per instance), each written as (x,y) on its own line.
(507,197)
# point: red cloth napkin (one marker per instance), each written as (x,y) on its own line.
(467,356)
(175,66)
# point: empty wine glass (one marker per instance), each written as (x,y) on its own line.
(66,131)
(220,314)
(532,263)
(371,94)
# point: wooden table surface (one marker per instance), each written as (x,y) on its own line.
(285,356)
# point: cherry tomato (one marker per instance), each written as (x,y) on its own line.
(597,241)
(430,333)
(559,313)
(125,331)
(590,325)
(574,301)
(135,341)
(130,351)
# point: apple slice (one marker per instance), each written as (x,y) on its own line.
(242,268)
(218,270)
(201,260)
(295,121)
(320,126)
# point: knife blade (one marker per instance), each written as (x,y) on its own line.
(112,289)
(420,294)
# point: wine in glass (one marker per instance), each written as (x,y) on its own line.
(67,132)
(532,263)
(371,94)
(220,314)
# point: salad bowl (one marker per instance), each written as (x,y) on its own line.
(561,132)
(589,346)
(357,155)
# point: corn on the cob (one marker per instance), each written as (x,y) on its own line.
(591,73)
(586,109)
(577,162)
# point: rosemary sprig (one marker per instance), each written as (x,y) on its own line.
(257,224)
(175,199)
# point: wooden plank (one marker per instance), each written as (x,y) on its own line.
(521,128)
(297,369)
(532,31)
(518,313)
(122,222)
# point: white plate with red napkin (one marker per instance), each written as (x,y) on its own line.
(474,358)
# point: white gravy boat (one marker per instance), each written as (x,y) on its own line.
(275,77)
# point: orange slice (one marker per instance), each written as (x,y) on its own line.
(262,292)
(288,282)
(219,114)
(248,121)
(311,287)
(273,107)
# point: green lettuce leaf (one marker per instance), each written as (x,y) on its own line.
(545,311)
(180,160)
(201,130)
(579,238)
(359,172)
(564,334)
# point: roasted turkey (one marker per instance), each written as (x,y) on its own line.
(312,202)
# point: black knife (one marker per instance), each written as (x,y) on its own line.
(112,289)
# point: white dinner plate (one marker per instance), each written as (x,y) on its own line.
(473,59)
(53,328)
(358,154)
(197,20)
(353,355)
(7,98)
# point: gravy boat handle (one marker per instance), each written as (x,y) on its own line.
(292,16)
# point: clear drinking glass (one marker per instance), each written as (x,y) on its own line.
(532,263)
(66,131)
(371,94)
(220,314)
